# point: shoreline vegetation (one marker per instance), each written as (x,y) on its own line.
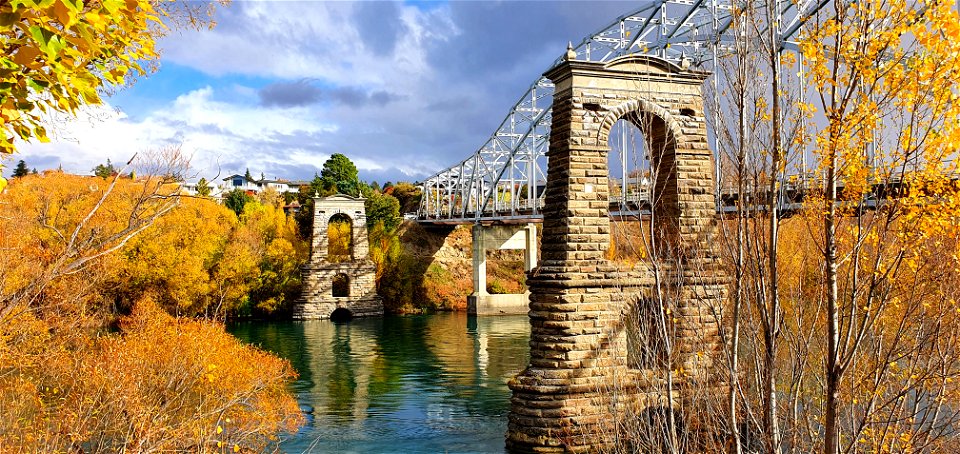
(842,322)
(112,317)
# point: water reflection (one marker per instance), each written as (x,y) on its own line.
(432,383)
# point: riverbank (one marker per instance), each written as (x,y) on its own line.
(429,269)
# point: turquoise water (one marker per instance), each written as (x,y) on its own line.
(414,384)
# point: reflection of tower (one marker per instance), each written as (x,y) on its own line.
(340,275)
(341,367)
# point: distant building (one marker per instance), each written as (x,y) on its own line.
(240,182)
(251,187)
(256,186)
(280,186)
(292,208)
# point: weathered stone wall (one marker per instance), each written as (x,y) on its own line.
(326,208)
(317,300)
(579,301)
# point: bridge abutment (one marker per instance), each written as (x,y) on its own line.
(347,280)
(605,338)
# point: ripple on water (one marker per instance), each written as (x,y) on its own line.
(412,384)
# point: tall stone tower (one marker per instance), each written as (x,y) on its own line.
(347,282)
(587,362)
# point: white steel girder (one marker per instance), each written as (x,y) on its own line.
(504,177)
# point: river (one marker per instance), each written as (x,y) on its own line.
(412,384)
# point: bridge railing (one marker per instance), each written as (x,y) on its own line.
(693,31)
(792,192)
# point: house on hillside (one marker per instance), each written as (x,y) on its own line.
(280,186)
(295,185)
(292,207)
(240,182)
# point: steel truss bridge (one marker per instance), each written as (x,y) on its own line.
(503,180)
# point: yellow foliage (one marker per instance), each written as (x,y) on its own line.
(339,240)
(69,383)
(60,54)
(160,384)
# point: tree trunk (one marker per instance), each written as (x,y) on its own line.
(772,326)
(831,444)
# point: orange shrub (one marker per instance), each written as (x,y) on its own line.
(74,376)
(160,384)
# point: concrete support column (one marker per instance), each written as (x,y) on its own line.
(530,249)
(479,262)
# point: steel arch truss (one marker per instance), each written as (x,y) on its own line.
(505,177)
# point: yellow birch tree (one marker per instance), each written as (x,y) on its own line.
(886,74)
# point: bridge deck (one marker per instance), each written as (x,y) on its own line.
(790,201)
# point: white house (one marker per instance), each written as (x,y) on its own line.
(280,186)
(239,182)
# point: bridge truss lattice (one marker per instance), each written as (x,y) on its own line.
(504,178)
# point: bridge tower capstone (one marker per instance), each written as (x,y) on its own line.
(582,306)
(347,284)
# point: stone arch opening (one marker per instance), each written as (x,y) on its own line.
(647,330)
(341,314)
(628,188)
(339,238)
(341,285)
(642,140)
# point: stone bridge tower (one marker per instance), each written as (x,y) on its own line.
(585,368)
(346,283)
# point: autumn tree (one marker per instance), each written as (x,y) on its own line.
(82,369)
(58,55)
(407,195)
(757,122)
(154,383)
(885,74)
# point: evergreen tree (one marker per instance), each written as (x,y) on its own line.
(21,170)
(34,171)
(236,200)
(104,171)
(203,188)
(248,176)
(341,174)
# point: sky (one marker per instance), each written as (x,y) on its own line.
(404,89)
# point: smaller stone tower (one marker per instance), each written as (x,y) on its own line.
(347,284)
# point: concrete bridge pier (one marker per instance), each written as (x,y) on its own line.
(500,237)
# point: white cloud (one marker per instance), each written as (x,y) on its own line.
(321,40)
(213,132)
(400,90)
